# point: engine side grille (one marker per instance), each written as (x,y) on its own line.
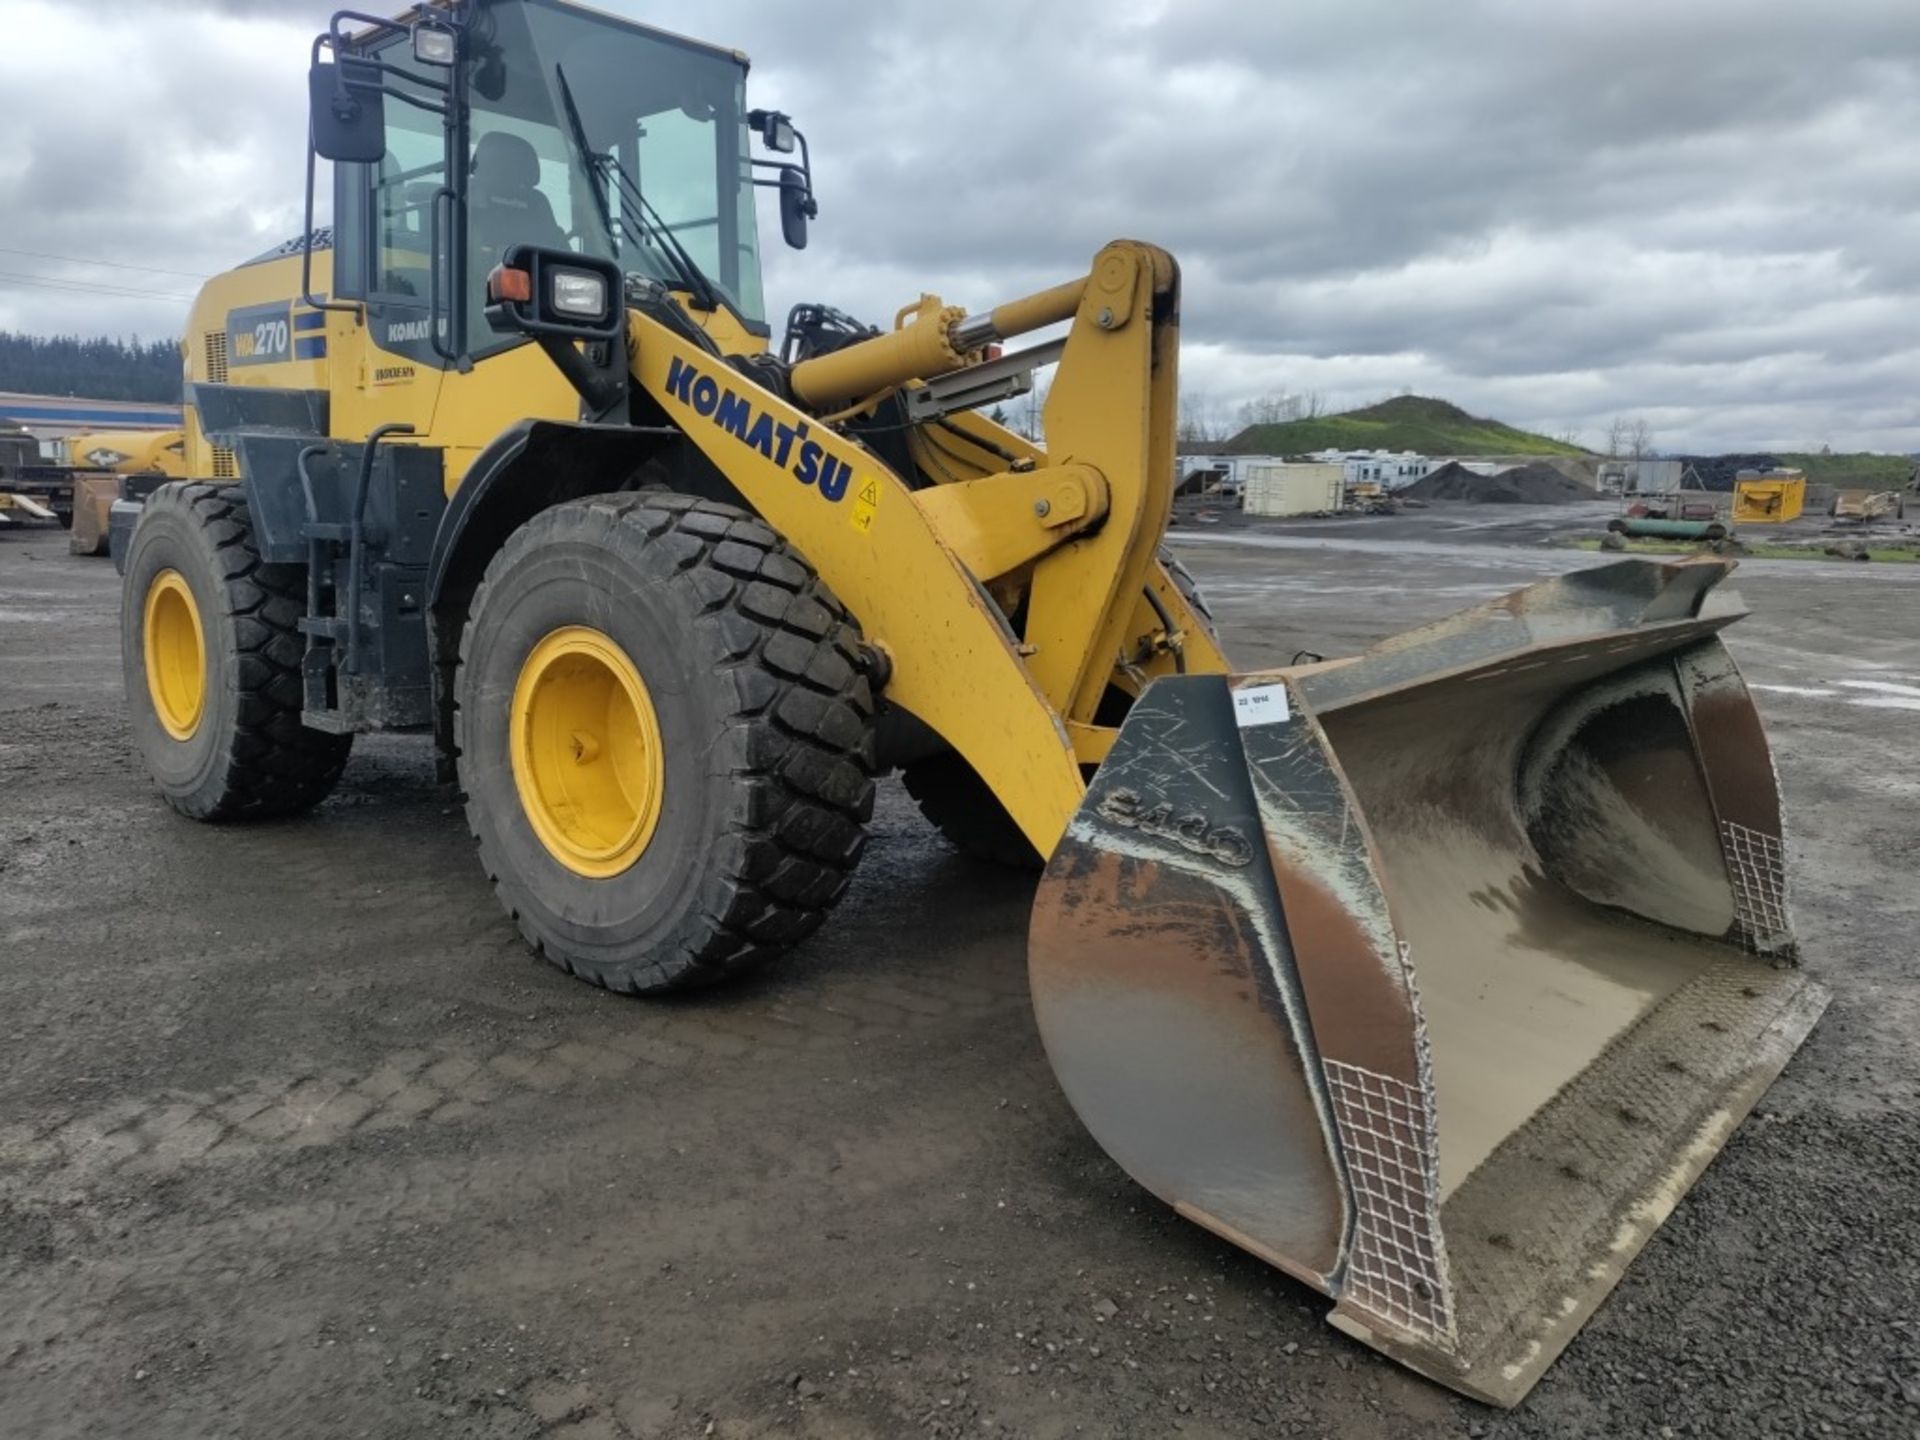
(224,467)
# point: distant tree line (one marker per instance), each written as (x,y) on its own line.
(1630,437)
(98,369)
(1204,421)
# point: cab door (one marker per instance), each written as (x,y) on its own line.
(393,252)
(391,222)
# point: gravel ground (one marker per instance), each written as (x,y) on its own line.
(295,1138)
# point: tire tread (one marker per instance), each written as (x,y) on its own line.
(798,743)
(273,765)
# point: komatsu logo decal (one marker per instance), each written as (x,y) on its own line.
(785,445)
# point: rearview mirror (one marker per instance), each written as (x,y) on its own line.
(347,112)
(796,206)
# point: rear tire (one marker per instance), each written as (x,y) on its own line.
(753,807)
(966,812)
(233,746)
(961,806)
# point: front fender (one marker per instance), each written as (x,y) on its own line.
(530,466)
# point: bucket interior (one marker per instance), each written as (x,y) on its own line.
(1595,1020)
(1550,854)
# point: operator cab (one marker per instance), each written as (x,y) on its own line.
(463,130)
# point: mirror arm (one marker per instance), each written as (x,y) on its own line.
(431,107)
(378,24)
(427,81)
(306,249)
(806,170)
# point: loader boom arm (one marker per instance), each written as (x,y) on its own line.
(1077,524)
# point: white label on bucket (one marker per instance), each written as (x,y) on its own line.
(1261,705)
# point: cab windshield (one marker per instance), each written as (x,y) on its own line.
(663,120)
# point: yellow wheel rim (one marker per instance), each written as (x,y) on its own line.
(587,755)
(176,649)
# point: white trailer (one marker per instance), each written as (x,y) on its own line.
(1300,489)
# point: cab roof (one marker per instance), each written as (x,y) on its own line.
(739,57)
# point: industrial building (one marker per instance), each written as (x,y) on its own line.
(51,417)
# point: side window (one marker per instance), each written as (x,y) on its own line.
(677,176)
(404,183)
(519,192)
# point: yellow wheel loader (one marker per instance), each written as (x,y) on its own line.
(112,467)
(1432,976)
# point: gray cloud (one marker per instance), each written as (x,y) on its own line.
(1705,213)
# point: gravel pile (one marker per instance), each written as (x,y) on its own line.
(1534,484)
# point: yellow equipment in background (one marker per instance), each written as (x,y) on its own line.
(16,507)
(1867,506)
(1431,976)
(1768,497)
(31,491)
(109,464)
(129,452)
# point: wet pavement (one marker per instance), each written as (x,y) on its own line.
(297,1139)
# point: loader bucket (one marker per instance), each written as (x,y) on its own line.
(1434,977)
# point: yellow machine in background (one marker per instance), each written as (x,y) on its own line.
(31,491)
(1398,971)
(1768,497)
(111,465)
(129,452)
(1867,506)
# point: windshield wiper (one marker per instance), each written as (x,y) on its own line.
(663,240)
(587,156)
(703,289)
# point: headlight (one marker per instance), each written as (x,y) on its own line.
(433,46)
(576,292)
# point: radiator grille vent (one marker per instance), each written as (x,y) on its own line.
(224,467)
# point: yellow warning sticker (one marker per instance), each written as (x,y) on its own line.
(866,501)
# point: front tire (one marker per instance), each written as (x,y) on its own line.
(665,738)
(210,652)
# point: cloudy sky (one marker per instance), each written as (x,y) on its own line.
(1706,212)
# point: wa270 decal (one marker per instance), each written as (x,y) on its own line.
(264,335)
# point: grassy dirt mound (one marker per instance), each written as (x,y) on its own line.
(1406,422)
